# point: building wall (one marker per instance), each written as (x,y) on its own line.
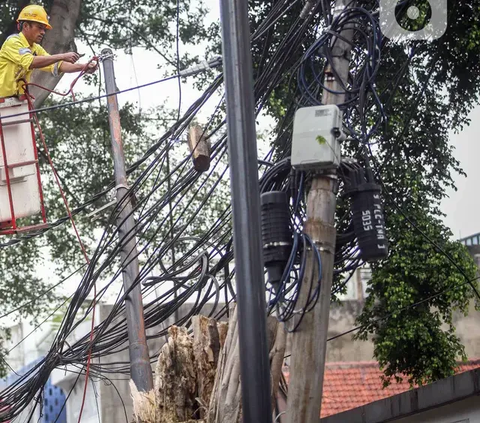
(67,381)
(344,348)
(107,399)
(466,411)
(344,313)
(28,342)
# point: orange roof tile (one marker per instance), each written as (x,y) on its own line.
(350,385)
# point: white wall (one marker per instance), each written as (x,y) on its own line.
(36,342)
(68,382)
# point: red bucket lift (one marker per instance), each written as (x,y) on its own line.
(21,192)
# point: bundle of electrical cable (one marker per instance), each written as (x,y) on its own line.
(365,59)
(203,267)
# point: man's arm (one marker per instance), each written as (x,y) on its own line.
(44,61)
(77,67)
(71,67)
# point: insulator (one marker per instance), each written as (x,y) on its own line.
(276,233)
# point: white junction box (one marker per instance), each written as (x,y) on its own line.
(20,148)
(316,133)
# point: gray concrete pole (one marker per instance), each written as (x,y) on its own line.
(242,147)
(309,343)
(140,369)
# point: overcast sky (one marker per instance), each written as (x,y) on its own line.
(462,207)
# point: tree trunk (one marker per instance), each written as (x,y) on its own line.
(175,379)
(63,18)
(12,26)
(207,344)
(226,404)
(197,378)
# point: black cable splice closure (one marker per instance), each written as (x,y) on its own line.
(276,234)
(368,215)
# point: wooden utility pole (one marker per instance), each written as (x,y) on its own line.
(140,368)
(309,342)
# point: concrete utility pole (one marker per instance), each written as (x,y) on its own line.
(309,342)
(247,234)
(140,369)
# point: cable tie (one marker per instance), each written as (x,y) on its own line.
(102,57)
(337,10)
(122,186)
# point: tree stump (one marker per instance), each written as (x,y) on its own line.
(207,344)
(197,378)
(175,378)
(225,403)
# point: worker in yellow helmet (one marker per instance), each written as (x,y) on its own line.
(21,53)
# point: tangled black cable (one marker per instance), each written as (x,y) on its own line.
(201,272)
(201,232)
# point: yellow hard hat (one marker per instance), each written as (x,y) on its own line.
(34,13)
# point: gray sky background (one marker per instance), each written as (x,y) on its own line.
(462,207)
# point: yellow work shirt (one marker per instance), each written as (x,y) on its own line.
(16,57)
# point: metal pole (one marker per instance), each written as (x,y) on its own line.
(309,343)
(242,147)
(140,369)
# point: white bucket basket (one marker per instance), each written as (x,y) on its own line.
(21,163)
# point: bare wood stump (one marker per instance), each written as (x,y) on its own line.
(199,148)
(175,378)
(197,378)
(206,351)
(225,403)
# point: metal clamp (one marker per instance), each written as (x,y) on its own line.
(102,57)
(349,160)
(106,206)
(307,9)
(201,67)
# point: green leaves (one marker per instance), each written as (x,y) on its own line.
(147,24)
(412,298)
